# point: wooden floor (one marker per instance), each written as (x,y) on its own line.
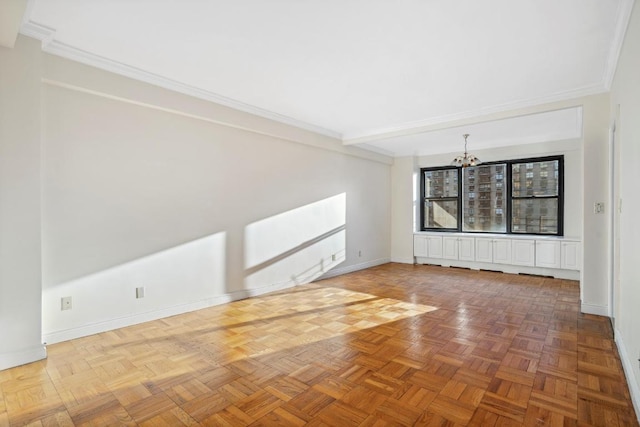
(392,345)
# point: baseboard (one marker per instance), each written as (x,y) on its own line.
(505,268)
(352,268)
(598,310)
(403,260)
(627,366)
(134,319)
(121,322)
(22,357)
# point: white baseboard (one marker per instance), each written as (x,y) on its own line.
(22,357)
(627,365)
(352,268)
(53,337)
(121,322)
(505,268)
(598,310)
(403,260)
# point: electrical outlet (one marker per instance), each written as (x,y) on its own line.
(65,303)
(598,207)
(333,257)
(359,253)
(140,292)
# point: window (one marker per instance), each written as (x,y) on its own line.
(512,197)
(535,207)
(486,217)
(440,208)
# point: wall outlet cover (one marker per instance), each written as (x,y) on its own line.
(65,303)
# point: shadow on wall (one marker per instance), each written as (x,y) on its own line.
(296,246)
(281,251)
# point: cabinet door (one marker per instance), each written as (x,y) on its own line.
(548,253)
(450,247)
(466,249)
(484,250)
(570,255)
(523,252)
(420,246)
(434,246)
(502,251)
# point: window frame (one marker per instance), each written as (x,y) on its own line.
(559,197)
(505,179)
(508,200)
(424,199)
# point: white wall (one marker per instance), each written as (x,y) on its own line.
(196,212)
(595,269)
(403,200)
(20,286)
(625,96)
(143,187)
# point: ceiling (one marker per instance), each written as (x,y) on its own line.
(358,70)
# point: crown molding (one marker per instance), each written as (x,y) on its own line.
(375,149)
(37,31)
(622,22)
(54,47)
(478,116)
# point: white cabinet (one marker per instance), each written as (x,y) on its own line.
(434,246)
(450,247)
(502,251)
(570,255)
(484,249)
(420,246)
(466,246)
(493,250)
(523,252)
(458,248)
(548,253)
(513,254)
(427,246)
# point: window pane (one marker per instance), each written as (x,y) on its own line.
(483,198)
(441,183)
(535,179)
(441,214)
(535,216)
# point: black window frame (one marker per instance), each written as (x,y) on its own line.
(424,199)
(508,200)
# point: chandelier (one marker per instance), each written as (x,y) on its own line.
(466,159)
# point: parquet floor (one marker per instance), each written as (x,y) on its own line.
(394,345)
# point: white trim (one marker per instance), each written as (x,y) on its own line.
(356,267)
(124,321)
(622,22)
(598,310)
(377,150)
(611,220)
(22,357)
(627,366)
(504,268)
(424,125)
(54,47)
(403,260)
(121,322)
